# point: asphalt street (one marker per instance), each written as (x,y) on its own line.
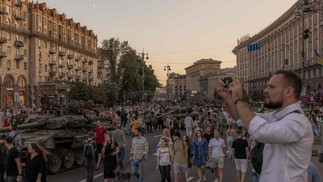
(150,172)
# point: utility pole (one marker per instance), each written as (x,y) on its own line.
(143,56)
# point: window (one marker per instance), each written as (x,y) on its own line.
(7,9)
(17,65)
(45,68)
(25,53)
(8,64)
(25,66)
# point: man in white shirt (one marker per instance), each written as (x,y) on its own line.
(286,132)
(188,125)
(216,155)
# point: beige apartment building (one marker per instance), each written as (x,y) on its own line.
(281,47)
(38,45)
(176,87)
(195,72)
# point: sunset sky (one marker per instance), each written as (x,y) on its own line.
(175,32)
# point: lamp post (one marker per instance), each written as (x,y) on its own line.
(143,56)
(167,68)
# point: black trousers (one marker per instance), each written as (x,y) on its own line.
(165,173)
(149,127)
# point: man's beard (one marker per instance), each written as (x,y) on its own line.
(273,105)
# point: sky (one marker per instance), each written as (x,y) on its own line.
(175,32)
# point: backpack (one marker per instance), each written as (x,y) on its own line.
(89,150)
(256,157)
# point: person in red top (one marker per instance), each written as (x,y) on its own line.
(5,122)
(99,133)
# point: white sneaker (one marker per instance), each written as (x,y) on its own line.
(216,180)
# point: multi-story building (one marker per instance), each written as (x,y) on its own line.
(39,45)
(176,86)
(281,45)
(194,74)
(209,82)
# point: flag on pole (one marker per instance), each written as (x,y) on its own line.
(319,59)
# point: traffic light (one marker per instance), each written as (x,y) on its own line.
(306,34)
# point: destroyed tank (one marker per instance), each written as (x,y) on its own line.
(62,134)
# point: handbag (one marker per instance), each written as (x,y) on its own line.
(256,157)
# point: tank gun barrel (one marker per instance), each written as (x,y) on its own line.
(34,124)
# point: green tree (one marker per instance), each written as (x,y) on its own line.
(80,91)
(98,95)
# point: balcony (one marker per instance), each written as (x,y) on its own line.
(18,3)
(3,40)
(70,56)
(52,51)
(70,66)
(90,62)
(90,71)
(2,10)
(84,60)
(19,57)
(61,75)
(84,79)
(61,53)
(19,16)
(91,78)
(78,77)
(69,76)
(77,58)
(52,73)
(84,69)
(19,43)
(52,62)
(99,72)
(100,66)
(77,68)
(61,65)
(3,54)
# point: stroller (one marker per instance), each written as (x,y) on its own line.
(121,175)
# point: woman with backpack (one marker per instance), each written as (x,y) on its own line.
(110,150)
(164,160)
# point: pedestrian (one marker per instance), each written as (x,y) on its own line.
(240,151)
(286,131)
(13,163)
(160,122)
(207,134)
(166,135)
(99,134)
(16,137)
(138,153)
(36,164)
(230,138)
(89,149)
(189,123)
(164,160)
(199,152)
(217,154)
(120,138)
(136,123)
(3,157)
(180,157)
(149,121)
(188,143)
(110,150)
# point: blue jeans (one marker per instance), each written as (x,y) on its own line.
(255,177)
(121,156)
(138,170)
(89,165)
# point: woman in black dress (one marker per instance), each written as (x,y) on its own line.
(35,165)
(110,151)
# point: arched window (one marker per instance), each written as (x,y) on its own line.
(9,81)
(21,82)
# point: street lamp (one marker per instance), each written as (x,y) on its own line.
(143,55)
(167,68)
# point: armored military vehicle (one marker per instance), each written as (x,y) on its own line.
(61,134)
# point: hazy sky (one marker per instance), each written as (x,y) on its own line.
(175,32)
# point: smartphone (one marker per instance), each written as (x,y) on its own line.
(227,81)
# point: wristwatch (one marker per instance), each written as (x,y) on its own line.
(19,174)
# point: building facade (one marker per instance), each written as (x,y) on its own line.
(281,45)
(195,72)
(38,45)
(176,87)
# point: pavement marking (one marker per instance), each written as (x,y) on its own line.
(158,135)
(189,179)
(96,176)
